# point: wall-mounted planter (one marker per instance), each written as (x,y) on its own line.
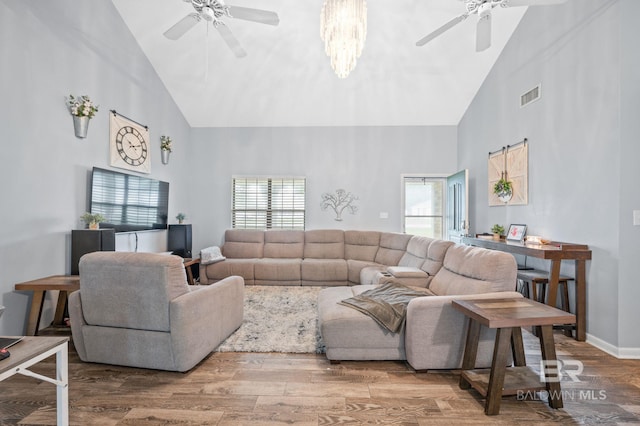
(81,126)
(165,156)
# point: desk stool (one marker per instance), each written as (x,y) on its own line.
(535,277)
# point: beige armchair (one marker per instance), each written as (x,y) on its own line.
(137,310)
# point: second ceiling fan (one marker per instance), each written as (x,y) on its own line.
(214,11)
(483,9)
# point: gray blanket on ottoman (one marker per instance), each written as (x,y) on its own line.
(386,304)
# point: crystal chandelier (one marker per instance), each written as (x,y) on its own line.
(343,28)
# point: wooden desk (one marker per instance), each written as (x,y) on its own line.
(32,350)
(555,252)
(507,316)
(63,283)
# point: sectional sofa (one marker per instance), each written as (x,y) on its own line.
(350,263)
(327,257)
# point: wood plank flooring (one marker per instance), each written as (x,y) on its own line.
(305,389)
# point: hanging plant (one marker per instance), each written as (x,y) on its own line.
(165,143)
(503,189)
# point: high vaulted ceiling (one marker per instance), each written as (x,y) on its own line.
(286,79)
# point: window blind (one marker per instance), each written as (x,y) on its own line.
(268,203)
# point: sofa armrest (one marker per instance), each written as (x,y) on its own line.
(204,317)
(435,332)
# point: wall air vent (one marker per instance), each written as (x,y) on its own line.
(531,96)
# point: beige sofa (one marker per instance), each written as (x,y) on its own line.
(327,257)
(351,262)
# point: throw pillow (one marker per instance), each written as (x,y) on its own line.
(211,255)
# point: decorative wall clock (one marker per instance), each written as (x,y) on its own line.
(129,144)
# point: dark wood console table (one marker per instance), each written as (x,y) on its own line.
(555,252)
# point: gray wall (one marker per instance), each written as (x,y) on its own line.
(629,290)
(50,49)
(582,177)
(367,161)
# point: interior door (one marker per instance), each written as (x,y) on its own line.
(457,206)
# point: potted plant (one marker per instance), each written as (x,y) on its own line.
(503,189)
(498,231)
(181,217)
(165,148)
(93,220)
(82,109)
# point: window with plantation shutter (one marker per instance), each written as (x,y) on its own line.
(268,202)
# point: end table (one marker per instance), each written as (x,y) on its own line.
(507,316)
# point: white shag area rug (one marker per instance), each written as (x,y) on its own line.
(277,319)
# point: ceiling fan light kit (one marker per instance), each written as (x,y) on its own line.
(483,8)
(343,28)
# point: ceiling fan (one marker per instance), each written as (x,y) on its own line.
(483,9)
(212,11)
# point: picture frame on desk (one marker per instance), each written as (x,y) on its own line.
(516,233)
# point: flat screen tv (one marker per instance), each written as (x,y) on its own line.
(128,202)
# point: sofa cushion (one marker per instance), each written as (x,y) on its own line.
(417,249)
(324,244)
(283,244)
(277,271)
(324,269)
(370,274)
(392,247)
(474,270)
(243,243)
(406,272)
(355,268)
(435,256)
(217,271)
(351,335)
(361,245)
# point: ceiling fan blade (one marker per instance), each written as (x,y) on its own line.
(442,29)
(511,3)
(230,39)
(182,26)
(483,33)
(255,15)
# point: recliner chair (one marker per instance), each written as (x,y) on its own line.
(137,310)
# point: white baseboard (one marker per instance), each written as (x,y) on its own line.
(621,353)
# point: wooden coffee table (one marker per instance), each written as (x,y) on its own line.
(507,316)
(63,283)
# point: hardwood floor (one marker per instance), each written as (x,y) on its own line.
(305,389)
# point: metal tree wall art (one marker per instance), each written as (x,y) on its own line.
(338,202)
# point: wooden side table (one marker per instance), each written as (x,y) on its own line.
(63,283)
(507,316)
(188,263)
(32,350)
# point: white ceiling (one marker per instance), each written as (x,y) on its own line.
(286,79)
